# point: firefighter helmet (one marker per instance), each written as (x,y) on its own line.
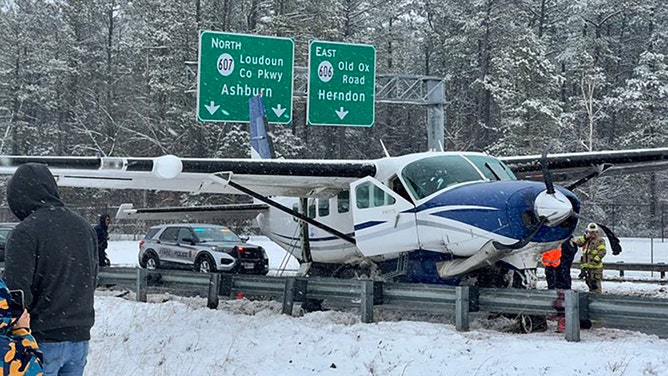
(592,227)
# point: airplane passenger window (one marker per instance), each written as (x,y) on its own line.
(323,207)
(295,207)
(311,209)
(432,174)
(343,201)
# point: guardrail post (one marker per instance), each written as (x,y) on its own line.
(462,308)
(214,287)
(225,286)
(294,291)
(621,270)
(367,301)
(378,295)
(288,296)
(572,315)
(142,283)
(663,272)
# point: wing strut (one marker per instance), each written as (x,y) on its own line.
(306,243)
(293,213)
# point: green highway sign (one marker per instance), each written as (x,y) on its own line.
(235,67)
(341,84)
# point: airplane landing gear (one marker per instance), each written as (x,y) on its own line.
(530,324)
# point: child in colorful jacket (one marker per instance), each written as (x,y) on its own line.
(19,350)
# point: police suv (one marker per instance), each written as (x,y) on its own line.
(203,247)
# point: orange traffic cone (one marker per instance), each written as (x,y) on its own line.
(240,295)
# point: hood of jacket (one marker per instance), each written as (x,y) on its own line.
(102,220)
(32,187)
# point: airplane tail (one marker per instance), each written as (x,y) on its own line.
(260,143)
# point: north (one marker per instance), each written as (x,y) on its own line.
(225,44)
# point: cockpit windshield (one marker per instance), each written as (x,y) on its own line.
(492,168)
(426,176)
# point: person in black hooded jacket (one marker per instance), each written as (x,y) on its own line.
(102,231)
(52,256)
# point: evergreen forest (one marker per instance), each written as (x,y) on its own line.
(118,78)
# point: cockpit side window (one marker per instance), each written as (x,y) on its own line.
(429,175)
(492,168)
(398,187)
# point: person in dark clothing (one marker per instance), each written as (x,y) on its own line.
(559,278)
(551,260)
(562,277)
(102,230)
(558,263)
(52,256)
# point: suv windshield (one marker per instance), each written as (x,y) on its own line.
(215,234)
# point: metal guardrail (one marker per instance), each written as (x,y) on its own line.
(648,315)
(621,266)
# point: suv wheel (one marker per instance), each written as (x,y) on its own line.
(152,261)
(205,264)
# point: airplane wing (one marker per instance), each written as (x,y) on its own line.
(298,178)
(572,166)
(198,213)
(295,178)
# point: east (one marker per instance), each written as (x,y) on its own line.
(325,52)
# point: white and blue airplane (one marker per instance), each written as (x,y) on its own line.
(433,217)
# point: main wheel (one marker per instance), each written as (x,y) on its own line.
(205,264)
(531,323)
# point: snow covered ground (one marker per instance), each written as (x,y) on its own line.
(171,335)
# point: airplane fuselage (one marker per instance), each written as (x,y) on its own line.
(451,204)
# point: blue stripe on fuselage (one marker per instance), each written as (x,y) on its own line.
(368,224)
(497,207)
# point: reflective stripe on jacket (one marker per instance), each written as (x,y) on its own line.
(552,258)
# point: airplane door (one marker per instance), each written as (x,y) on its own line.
(383,220)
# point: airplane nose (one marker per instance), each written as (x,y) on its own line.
(555,207)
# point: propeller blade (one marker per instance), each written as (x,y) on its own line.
(549,185)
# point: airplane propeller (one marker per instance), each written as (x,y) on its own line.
(551,206)
(547,176)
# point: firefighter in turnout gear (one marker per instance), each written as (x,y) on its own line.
(591,262)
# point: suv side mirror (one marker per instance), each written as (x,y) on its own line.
(188,240)
(244,238)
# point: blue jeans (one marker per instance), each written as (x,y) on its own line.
(64,358)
